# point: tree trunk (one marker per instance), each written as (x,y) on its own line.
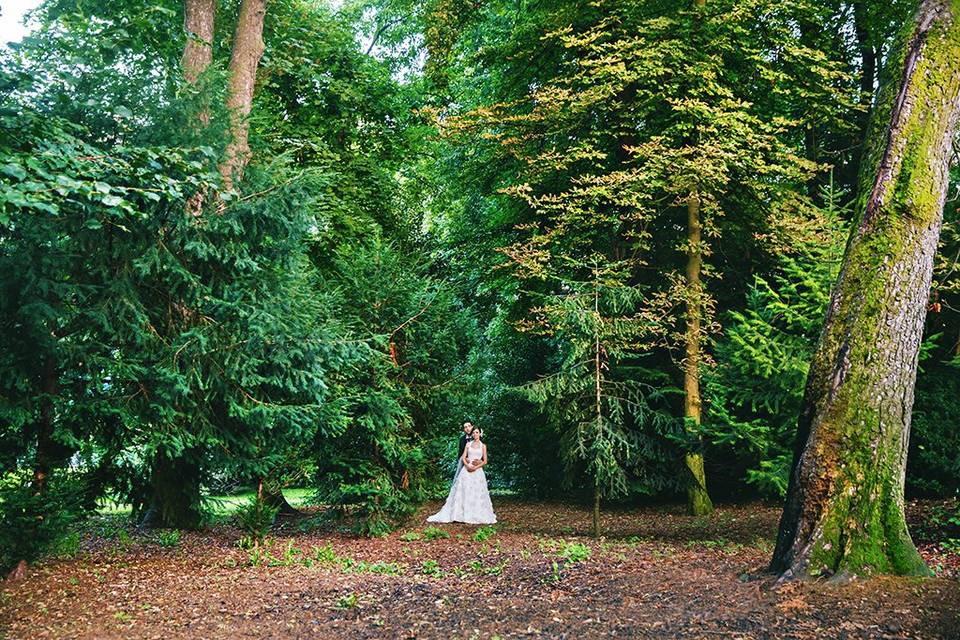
(596,512)
(272,496)
(868,72)
(698,500)
(844,510)
(198,23)
(244,59)
(175,484)
(45,444)
(198,19)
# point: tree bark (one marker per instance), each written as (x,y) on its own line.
(198,21)
(844,510)
(596,512)
(868,71)
(698,500)
(49,388)
(272,496)
(198,24)
(244,59)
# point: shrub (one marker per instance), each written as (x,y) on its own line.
(168,538)
(434,533)
(30,523)
(255,518)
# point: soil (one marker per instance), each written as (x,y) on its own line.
(657,574)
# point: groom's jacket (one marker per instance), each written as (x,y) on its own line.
(463,444)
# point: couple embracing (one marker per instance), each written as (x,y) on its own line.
(469,498)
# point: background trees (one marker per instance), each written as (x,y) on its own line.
(309,264)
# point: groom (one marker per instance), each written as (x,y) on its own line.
(464,439)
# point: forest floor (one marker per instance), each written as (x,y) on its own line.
(657,574)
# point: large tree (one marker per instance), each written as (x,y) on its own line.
(844,511)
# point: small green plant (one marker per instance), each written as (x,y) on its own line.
(169,538)
(556,575)
(952,545)
(258,555)
(122,616)
(411,536)
(287,557)
(574,552)
(435,533)
(325,554)
(348,601)
(484,533)
(256,517)
(495,569)
(67,545)
(124,539)
(430,568)
(388,568)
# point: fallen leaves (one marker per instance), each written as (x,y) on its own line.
(657,573)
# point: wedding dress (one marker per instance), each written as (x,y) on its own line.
(469,499)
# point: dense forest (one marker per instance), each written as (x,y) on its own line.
(260,245)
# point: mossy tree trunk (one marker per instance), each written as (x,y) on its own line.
(844,510)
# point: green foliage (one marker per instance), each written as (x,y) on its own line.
(755,390)
(574,552)
(256,518)
(169,538)
(370,284)
(348,601)
(484,533)
(434,533)
(33,523)
(430,568)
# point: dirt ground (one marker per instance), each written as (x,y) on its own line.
(657,574)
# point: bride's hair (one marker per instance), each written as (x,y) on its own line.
(477,429)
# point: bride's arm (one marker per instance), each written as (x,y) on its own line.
(483,460)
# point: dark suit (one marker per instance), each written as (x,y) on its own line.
(463,443)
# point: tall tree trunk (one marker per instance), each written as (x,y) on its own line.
(272,495)
(45,444)
(698,500)
(596,512)
(244,59)
(175,483)
(844,510)
(598,396)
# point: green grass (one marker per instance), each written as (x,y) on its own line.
(218,505)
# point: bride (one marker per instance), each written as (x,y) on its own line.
(469,499)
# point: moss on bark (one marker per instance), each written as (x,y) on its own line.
(844,511)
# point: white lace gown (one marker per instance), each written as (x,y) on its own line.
(469,498)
